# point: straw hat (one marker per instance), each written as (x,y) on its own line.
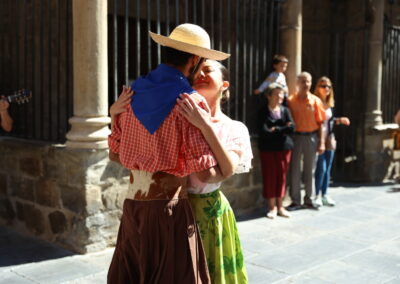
(191,39)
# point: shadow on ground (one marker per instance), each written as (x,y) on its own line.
(254,215)
(18,249)
(357,185)
(394,189)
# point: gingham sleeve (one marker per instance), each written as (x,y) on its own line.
(115,137)
(195,150)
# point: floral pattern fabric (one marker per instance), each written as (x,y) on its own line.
(218,231)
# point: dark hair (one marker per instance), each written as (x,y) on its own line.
(175,57)
(278,58)
(225,77)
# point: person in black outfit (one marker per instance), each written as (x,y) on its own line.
(275,124)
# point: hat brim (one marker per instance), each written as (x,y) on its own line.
(189,48)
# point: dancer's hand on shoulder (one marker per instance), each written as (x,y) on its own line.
(196,115)
(122,102)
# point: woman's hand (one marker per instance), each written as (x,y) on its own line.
(196,115)
(344,121)
(122,102)
(321,147)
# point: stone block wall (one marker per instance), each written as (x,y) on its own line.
(380,156)
(66,196)
(74,197)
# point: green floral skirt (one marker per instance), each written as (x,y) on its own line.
(217,226)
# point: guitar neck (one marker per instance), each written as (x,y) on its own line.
(21,96)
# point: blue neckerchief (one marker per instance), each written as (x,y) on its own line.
(156,94)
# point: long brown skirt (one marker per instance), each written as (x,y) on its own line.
(158,242)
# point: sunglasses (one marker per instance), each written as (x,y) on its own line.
(325,86)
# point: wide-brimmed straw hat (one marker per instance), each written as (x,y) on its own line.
(191,39)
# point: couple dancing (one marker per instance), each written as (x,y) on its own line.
(177,226)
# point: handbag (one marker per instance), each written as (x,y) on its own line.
(330,142)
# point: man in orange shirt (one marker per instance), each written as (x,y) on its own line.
(308,113)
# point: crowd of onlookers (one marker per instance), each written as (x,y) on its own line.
(296,140)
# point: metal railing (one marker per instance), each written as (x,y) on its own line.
(248,29)
(391,73)
(342,55)
(36,54)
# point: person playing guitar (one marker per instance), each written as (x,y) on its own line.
(20,97)
(5,118)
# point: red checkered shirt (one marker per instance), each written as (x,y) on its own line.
(177,147)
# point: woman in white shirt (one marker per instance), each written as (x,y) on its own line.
(324,91)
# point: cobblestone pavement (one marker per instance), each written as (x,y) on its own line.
(357,241)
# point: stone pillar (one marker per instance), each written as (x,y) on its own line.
(89,125)
(291,29)
(373,111)
(376,158)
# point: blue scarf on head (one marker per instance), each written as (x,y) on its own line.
(156,94)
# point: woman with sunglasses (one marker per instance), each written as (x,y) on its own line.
(324,91)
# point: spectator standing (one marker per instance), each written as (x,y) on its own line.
(5,118)
(279,65)
(275,124)
(324,91)
(308,114)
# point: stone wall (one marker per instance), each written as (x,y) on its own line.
(74,197)
(383,160)
(61,195)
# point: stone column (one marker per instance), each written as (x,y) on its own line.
(291,34)
(373,111)
(376,153)
(89,125)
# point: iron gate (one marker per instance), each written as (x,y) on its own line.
(391,73)
(248,29)
(342,55)
(36,54)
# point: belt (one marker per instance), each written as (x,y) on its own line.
(306,133)
(156,186)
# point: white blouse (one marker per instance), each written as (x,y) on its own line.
(235,137)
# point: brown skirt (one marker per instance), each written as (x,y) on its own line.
(158,242)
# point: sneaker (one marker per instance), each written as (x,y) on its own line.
(272,214)
(327,201)
(318,200)
(283,213)
(293,207)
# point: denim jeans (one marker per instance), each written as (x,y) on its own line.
(323,170)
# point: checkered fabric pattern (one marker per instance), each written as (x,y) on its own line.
(177,147)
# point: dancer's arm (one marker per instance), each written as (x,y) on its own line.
(120,105)
(201,118)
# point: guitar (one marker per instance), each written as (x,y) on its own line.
(19,97)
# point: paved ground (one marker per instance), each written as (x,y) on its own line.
(358,241)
